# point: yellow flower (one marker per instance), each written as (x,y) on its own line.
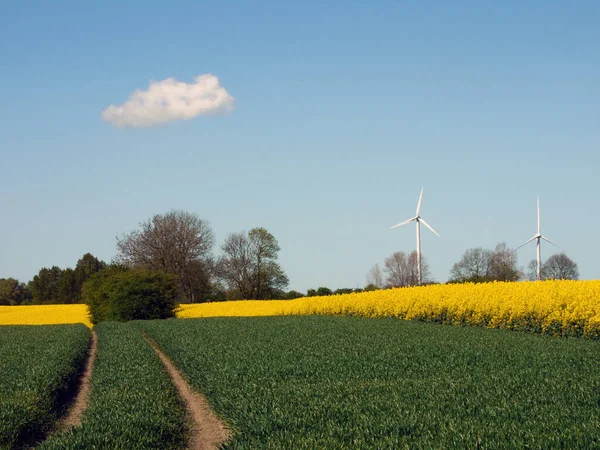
(568,308)
(44,315)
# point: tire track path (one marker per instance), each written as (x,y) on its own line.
(207,430)
(75,412)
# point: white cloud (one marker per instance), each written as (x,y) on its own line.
(169,100)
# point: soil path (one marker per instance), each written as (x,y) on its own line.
(207,430)
(73,416)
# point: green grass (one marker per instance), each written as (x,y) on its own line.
(133,404)
(39,367)
(346,382)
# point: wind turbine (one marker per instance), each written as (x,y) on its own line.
(538,237)
(418,219)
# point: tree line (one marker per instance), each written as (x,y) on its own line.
(181,244)
(476,265)
(177,243)
(51,285)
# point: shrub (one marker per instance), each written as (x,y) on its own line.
(122,295)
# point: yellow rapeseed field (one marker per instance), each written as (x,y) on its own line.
(565,308)
(44,314)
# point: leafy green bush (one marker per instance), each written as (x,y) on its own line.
(121,295)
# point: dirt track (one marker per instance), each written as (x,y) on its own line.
(207,431)
(73,416)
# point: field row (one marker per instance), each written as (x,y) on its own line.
(310,382)
(132,404)
(349,382)
(38,368)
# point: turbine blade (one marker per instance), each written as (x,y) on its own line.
(524,243)
(404,223)
(550,242)
(429,226)
(539,227)
(419,204)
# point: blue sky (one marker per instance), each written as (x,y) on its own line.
(343,110)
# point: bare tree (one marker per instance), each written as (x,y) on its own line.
(560,267)
(474,265)
(375,277)
(504,264)
(402,269)
(395,267)
(482,265)
(177,242)
(235,266)
(249,265)
(531,273)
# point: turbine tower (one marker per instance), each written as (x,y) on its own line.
(538,237)
(418,219)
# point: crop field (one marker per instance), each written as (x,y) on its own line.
(44,315)
(133,404)
(38,368)
(322,372)
(554,307)
(560,308)
(352,382)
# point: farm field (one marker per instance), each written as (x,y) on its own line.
(133,404)
(44,315)
(38,368)
(554,307)
(351,382)
(322,372)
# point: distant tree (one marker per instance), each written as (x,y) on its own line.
(197,283)
(56,285)
(531,271)
(178,243)
(13,293)
(87,266)
(279,294)
(343,291)
(322,291)
(475,265)
(46,286)
(504,264)
(72,280)
(319,292)
(560,267)
(375,277)
(290,295)
(249,266)
(8,291)
(269,276)
(402,269)
(25,294)
(218,292)
(69,290)
(235,266)
(479,265)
